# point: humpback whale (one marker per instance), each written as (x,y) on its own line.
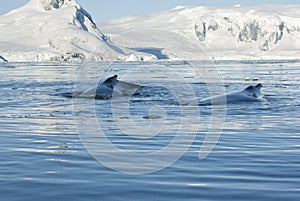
(111,86)
(250,94)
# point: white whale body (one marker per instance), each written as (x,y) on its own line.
(111,86)
(250,94)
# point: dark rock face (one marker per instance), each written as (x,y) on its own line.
(53,4)
(264,33)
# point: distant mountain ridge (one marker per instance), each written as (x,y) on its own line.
(63,31)
(262,32)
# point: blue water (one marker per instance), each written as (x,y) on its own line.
(43,158)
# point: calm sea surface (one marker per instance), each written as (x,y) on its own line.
(42,156)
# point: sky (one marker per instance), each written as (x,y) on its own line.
(102,10)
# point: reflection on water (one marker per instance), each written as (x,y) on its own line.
(42,157)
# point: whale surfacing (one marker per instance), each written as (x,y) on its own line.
(250,94)
(110,86)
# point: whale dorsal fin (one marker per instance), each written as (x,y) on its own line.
(111,82)
(111,79)
(258,86)
(254,90)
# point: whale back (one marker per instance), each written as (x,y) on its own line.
(250,94)
(110,86)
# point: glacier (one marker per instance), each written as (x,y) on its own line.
(63,31)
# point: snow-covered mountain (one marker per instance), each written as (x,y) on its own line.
(53,30)
(61,30)
(265,32)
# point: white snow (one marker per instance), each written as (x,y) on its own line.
(61,30)
(53,30)
(264,32)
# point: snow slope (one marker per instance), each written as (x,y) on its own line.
(61,30)
(53,30)
(265,32)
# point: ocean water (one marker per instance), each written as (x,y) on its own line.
(51,147)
